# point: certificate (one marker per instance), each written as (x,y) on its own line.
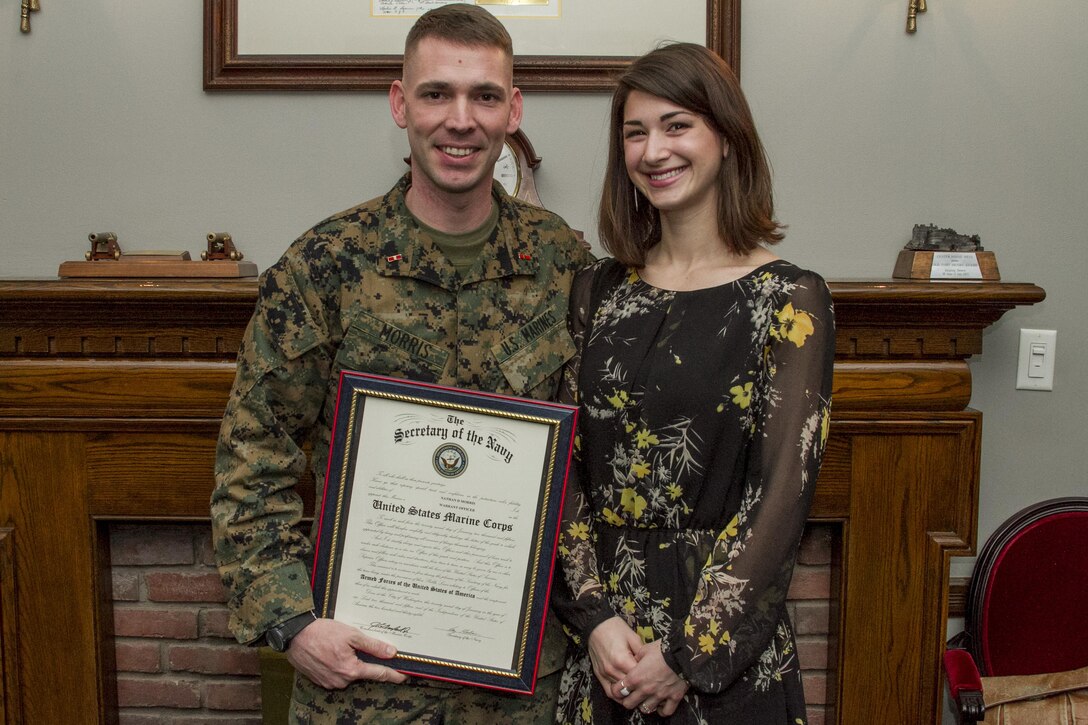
(439,524)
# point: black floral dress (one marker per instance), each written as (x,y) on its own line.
(703,418)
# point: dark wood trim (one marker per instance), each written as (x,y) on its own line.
(10,705)
(226,70)
(957,596)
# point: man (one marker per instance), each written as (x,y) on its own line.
(445,279)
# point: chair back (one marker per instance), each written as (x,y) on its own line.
(1028,598)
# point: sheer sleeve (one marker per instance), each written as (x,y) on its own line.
(740,599)
(578,597)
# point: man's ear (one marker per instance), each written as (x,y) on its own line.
(396,104)
(515,111)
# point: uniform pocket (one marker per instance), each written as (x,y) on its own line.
(373,345)
(536,353)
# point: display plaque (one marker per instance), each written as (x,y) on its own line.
(439,524)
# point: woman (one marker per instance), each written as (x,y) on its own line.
(704,382)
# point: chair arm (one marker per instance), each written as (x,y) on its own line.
(965,684)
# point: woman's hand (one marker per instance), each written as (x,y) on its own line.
(652,683)
(612,651)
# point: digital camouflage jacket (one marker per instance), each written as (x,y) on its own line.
(365,291)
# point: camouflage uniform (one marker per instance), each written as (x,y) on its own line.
(366,291)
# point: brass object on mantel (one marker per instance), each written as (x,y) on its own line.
(220,247)
(103,246)
(106,260)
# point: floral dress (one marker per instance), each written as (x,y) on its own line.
(703,418)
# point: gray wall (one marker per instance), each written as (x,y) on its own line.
(977,122)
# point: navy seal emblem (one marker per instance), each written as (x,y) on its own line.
(450,460)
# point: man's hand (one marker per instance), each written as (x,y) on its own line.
(612,648)
(325,653)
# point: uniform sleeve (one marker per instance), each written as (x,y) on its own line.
(279,388)
(741,594)
(578,597)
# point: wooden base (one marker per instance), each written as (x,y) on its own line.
(917,264)
(105,268)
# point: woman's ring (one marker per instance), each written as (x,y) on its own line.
(646,709)
(623,690)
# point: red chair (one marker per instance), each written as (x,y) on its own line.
(1027,604)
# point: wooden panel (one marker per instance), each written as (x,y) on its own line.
(102,388)
(56,600)
(159,471)
(831,502)
(910,479)
(907,385)
(10,706)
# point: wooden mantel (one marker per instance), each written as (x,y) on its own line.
(110,399)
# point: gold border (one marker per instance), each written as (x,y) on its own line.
(542,516)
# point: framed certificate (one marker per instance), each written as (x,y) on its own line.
(439,524)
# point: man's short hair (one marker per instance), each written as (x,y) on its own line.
(459,23)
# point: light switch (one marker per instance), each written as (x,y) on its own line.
(1036,366)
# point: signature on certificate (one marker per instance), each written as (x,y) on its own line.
(386,627)
(465,633)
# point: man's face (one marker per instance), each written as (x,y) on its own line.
(457,103)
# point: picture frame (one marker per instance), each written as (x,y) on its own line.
(439,523)
(227,69)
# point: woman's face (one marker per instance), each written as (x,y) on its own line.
(671,154)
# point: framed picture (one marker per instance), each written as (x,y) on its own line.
(356,45)
(439,523)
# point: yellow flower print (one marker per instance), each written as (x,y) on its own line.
(614,581)
(825,425)
(721,407)
(647,633)
(742,395)
(641,469)
(632,503)
(587,711)
(578,530)
(706,644)
(644,439)
(629,427)
(618,399)
(724,639)
(577,442)
(612,517)
(676,359)
(629,606)
(794,325)
(714,627)
(689,628)
(675,491)
(730,529)
(563,551)
(632,277)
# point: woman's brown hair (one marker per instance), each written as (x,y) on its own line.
(698,80)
